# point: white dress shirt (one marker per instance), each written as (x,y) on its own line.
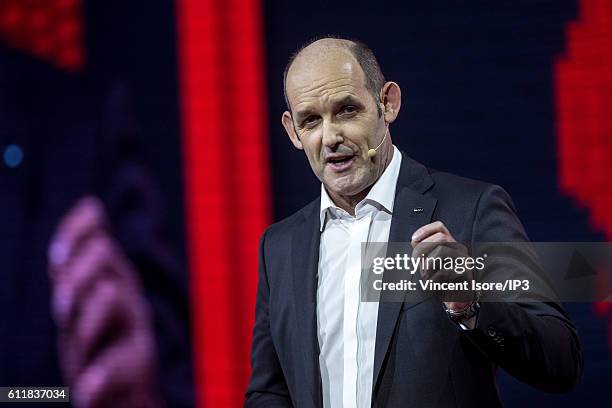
(347,327)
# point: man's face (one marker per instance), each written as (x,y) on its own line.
(336,121)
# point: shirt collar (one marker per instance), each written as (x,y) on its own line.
(382,192)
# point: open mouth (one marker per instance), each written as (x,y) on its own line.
(340,163)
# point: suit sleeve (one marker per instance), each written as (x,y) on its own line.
(267,386)
(534,341)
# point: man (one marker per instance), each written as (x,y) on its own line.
(315,343)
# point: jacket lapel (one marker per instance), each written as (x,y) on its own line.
(305,259)
(412,182)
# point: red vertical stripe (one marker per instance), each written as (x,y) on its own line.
(225,149)
(583,85)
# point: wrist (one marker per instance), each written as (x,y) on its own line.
(457,307)
(462,311)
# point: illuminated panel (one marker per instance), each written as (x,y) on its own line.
(51,30)
(583,84)
(225,156)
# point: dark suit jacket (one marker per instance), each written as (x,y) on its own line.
(422,358)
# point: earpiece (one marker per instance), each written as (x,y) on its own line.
(372,152)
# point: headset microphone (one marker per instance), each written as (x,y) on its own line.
(372,152)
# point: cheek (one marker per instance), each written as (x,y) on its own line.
(311,142)
(312,148)
(360,136)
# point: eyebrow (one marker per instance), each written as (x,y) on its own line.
(348,100)
(303,114)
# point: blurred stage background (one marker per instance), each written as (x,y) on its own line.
(517,93)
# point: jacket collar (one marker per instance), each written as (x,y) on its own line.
(412,182)
(381,195)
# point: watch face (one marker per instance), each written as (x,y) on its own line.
(467,313)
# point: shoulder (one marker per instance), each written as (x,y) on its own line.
(441,185)
(452,183)
(448,185)
(284,228)
(484,209)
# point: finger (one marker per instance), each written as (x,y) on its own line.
(67,357)
(423,248)
(76,279)
(124,369)
(89,388)
(435,249)
(95,261)
(86,217)
(104,317)
(434,252)
(427,230)
(440,245)
(438,237)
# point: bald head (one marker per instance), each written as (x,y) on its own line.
(337,49)
(325,47)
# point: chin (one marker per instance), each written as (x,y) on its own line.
(342,186)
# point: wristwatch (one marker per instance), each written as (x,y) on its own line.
(467,313)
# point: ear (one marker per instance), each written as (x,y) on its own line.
(391,98)
(287,121)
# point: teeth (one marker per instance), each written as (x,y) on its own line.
(340,160)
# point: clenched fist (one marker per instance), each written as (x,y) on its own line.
(435,241)
(106,344)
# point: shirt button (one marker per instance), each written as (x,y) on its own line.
(13,156)
(491,331)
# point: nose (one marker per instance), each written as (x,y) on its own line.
(331,135)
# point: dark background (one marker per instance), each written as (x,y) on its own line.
(136,45)
(478,101)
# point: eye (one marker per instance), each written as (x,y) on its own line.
(310,121)
(348,110)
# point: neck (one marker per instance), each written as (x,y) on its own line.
(348,203)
